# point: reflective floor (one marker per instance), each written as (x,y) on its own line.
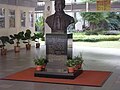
(94,59)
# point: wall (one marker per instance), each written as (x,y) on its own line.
(26,3)
(47,12)
(8,31)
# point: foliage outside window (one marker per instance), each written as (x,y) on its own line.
(31,19)
(23,19)
(102,20)
(2,17)
(11,18)
(39,25)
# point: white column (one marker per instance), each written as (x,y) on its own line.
(47,12)
(87,6)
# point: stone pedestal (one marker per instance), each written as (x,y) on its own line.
(56,73)
(57,51)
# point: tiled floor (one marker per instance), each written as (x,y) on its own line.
(95,59)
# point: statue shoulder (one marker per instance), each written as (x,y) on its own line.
(50,18)
(71,19)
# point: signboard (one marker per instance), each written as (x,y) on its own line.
(56,44)
(103,5)
(100,5)
(107,5)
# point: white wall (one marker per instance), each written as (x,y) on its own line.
(8,31)
(46,14)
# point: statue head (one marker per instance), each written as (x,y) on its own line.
(59,5)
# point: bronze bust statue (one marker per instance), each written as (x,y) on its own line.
(59,21)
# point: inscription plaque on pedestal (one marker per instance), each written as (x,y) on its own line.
(56,44)
(56,49)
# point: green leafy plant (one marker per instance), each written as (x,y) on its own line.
(70,63)
(78,59)
(95,38)
(39,61)
(27,36)
(36,36)
(40,24)
(5,40)
(93,18)
(17,37)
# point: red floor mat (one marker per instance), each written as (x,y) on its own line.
(87,78)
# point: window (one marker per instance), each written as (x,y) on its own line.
(69,1)
(39,24)
(11,18)
(79,1)
(38,14)
(74,1)
(41,3)
(31,18)
(23,19)
(2,17)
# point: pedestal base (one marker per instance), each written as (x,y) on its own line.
(61,75)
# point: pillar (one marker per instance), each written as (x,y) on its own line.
(47,12)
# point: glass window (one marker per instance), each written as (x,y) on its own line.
(41,3)
(39,24)
(31,18)
(11,18)
(79,1)
(38,15)
(2,17)
(74,1)
(69,1)
(23,19)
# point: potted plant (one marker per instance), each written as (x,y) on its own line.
(79,61)
(42,37)
(17,38)
(70,65)
(4,41)
(40,63)
(27,38)
(36,38)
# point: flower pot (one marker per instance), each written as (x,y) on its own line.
(38,68)
(44,66)
(17,49)
(3,51)
(28,46)
(37,45)
(70,69)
